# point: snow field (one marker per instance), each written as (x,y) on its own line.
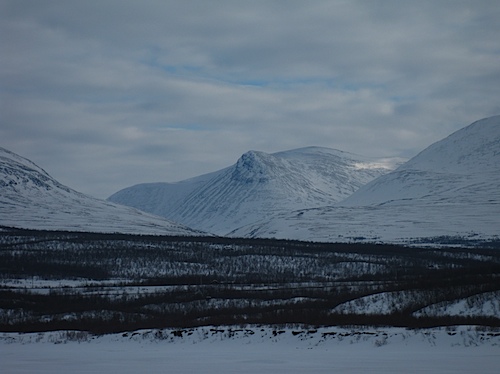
(255,349)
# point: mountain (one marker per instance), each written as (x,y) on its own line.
(30,198)
(257,186)
(450,190)
(160,198)
(464,167)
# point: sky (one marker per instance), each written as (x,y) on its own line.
(111,93)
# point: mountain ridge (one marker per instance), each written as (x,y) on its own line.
(449,190)
(462,160)
(257,185)
(31,199)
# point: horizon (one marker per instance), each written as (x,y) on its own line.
(106,95)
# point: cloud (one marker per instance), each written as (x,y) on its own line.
(105,94)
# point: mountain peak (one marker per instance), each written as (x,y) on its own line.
(8,157)
(472,149)
(449,169)
(254,167)
(449,190)
(257,185)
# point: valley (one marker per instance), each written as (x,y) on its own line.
(291,259)
(104,283)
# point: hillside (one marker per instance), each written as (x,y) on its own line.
(450,190)
(31,198)
(258,186)
(462,168)
(113,282)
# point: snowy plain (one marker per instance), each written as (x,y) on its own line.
(255,349)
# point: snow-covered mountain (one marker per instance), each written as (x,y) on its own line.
(257,186)
(160,198)
(31,198)
(462,168)
(452,188)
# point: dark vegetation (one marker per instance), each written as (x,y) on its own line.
(114,282)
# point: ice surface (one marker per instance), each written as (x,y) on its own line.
(267,350)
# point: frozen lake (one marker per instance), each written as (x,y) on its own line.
(263,351)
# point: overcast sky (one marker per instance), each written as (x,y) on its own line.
(107,94)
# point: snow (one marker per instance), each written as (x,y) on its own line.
(486,305)
(451,189)
(158,198)
(257,186)
(379,303)
(405,223)
(32,199)
(465,165)
(255,349)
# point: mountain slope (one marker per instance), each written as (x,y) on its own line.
(160,198)
(257,186)
(451,189)
(31,198)
(464,167)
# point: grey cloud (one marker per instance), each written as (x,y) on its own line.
(104,94)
